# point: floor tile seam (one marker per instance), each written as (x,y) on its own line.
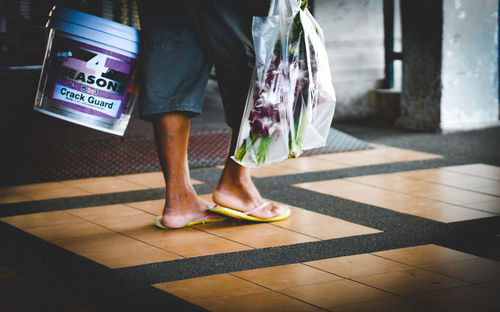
(441,274)
(473,175)
(277,291)
(38,226)
(297,232)
(448,185)
(371,286)
(224,238)
(323,239)
(128,236)
(421,196)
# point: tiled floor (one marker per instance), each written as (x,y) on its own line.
(379,155)
(124,235)
(421,278)
(82,187)
(444,194)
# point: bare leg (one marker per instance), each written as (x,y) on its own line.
(237,191)
(182,204)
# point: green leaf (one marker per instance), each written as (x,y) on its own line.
(241,152)
(264,145)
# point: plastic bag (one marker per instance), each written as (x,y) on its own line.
(291,99)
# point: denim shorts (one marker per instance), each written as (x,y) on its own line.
(180,43)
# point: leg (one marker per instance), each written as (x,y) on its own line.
(236,189)
(182,204)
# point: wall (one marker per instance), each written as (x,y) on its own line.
(470,64)
(354,35)
(450,72)
(422,46)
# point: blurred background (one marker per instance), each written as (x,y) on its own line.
(419,65)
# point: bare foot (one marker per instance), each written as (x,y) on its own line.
(182,207)
(236,190)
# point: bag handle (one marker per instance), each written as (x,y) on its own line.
(278,6)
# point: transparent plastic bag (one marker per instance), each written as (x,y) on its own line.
(291,99)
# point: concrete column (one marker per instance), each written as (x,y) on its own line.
(450,69)
(354,38)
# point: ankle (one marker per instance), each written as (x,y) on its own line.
(235,173)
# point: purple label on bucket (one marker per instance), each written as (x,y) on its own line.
(89,79)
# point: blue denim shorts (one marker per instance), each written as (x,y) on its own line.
(182,42)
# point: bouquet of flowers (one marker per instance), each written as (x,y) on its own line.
(291,100)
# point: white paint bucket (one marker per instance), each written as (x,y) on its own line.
(88,73)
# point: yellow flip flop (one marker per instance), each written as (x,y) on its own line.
(247,214)
(209,218)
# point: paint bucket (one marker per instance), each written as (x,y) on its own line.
(88,73)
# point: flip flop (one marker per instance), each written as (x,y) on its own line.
(209,218)
(246,215)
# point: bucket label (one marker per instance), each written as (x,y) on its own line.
(104,105)
(90,79)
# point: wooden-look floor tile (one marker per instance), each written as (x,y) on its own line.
(66,231)
(358,265)
(115,251)
(273,170)
(154,207)
(397,201)
(481,170)
(209,245)
(126,223)
(399,154)
(336,293)
(187,242)
(457,196)
(477,270)
(104,212)
(334,228)
(257,235)
(267,301)
(355,159)
(103,185)
(40,219)
(425,255)
(46,190)
(321,226)
(409,282)
(311,164)
(489,190)
(463,299)
(445,213)
(146,179)
(9,196)
(196,290)
(450,178)
(150,179)
(423,188)
(286,276)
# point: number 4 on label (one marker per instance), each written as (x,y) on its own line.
(97,63)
